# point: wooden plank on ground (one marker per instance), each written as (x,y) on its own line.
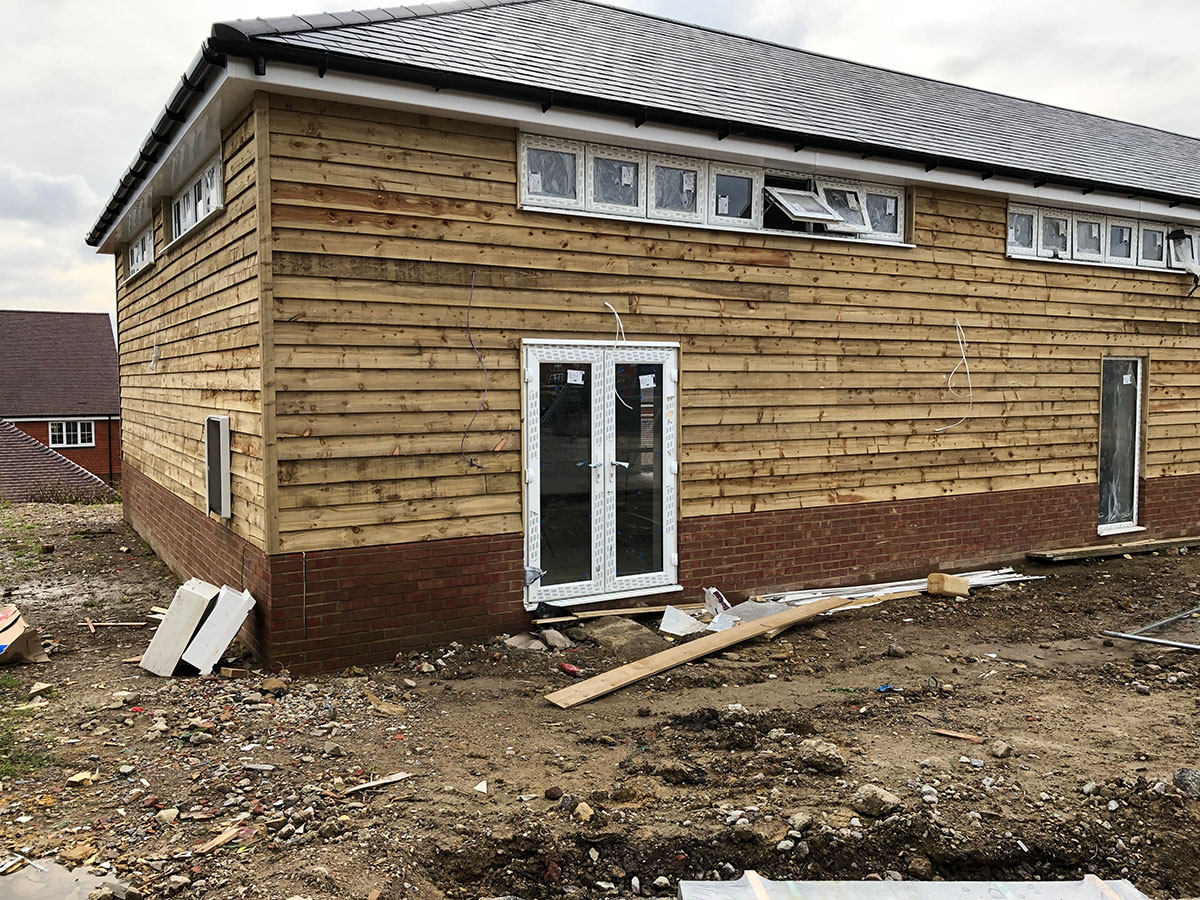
(1069,554)
(622,676)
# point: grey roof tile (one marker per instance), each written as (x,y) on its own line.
(57,364)
(588,49)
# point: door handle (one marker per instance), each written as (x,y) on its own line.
(590,465)
(617,462)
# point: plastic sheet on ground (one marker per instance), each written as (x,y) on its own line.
(752,886)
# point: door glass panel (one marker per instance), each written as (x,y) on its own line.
(639,485)
(1118,440)
(565,441)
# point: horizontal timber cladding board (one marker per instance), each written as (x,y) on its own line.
(189,346)
(813,373)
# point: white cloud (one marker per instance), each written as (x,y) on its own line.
(36,197)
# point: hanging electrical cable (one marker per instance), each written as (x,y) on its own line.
(966,367)
(470,460)
(618,337)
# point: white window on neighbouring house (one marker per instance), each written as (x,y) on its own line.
(200,197)
(141,251)
(1022,224)
(72,434)
(217,487)
(677,188)
(552,171)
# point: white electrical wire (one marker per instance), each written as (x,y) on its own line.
(619,336)
(966,367)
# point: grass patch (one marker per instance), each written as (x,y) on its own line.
(17,757)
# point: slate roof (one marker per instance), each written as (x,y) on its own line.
(584,49)
(31,472)
(57,364)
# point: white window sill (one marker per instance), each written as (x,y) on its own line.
(614,595)
(133,276)
(1107,530)
(71,446)
(200,223)
(707,226)
(1099,263)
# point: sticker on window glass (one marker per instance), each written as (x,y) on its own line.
(574,376)
(627,175)
(1126,378)
(646,381)
(852,199)
(689,182)
(723,205)
(535,182)
(890,206)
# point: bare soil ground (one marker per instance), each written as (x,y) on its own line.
(693,774)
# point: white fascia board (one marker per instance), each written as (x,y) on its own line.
(98,417)
(191,147)
(231,91)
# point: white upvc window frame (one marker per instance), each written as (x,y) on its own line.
(786,199)
(1132,225)
(620,154)
(201,198)
(557,145)
(1144,227)
(1014,249)
(1132,525)
(755,176)
(883,190)
(139,255)
(856,188)
(687,164)
(1081,218)
(1050,213)
(65,427)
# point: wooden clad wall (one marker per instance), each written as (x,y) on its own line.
(813,372)
(188,338)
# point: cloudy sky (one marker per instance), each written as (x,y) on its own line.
(84,80)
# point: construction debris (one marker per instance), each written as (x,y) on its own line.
(184,615)
(379,782)
(1139,634)
(939,584)
(218,629)
(752,886)
(891,589)
(958,735)
(18,641)
(678,623)
(199,625)
(1071,554)
(625,675)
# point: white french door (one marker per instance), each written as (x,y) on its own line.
(601,469)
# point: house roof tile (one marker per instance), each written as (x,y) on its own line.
(30,471)
(57,364)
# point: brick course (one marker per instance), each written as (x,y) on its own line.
(332,608)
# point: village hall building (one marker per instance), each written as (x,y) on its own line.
(430,317)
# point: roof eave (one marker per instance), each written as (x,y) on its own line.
(230,42)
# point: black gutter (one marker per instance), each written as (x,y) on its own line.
(179,106)
(228,41)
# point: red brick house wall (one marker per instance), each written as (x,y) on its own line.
(97,459)
(328,609)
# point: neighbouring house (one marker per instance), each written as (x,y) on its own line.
(431,317)
(58,384)
(30,472)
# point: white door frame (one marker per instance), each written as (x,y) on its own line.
(1140,369)
(603,356)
